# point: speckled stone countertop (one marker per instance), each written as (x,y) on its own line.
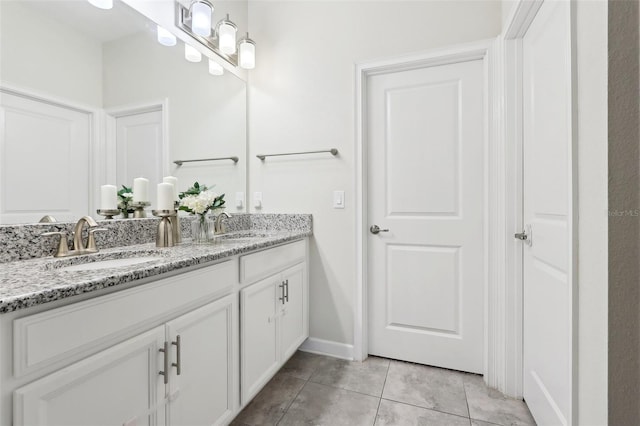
(27,283)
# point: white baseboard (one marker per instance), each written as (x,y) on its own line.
(327,347)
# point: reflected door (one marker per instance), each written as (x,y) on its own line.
(44,160)
(426,186)
(139,150)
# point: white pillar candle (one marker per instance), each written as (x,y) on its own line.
(108,197)
(174,181)
(165,196)
(140,190)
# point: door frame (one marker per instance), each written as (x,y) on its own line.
(495,195)
(111,116)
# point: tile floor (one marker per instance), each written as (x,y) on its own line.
(317,390)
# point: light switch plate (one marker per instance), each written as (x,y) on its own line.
(338,199)
(257,200)
(239,200)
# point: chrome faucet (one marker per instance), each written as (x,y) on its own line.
(217,225)
(79,246)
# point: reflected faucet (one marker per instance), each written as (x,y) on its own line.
(217,225)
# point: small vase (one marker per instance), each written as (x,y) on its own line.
(202,230)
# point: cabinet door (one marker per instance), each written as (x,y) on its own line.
(258,335)
(203,378)
(118,386)
(294,322)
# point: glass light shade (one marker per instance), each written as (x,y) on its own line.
(201,19)
(247,55)
(215,68)
(102,4)
(191,54)
(165,37)
(227,38)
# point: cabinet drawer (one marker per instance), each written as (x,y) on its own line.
(65,332)
(256,266)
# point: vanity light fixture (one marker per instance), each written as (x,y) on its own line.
(201,11)
(102,4)
(191,54)
(215,68)
(165,37)
(247,53)
(226,31)
(222,41)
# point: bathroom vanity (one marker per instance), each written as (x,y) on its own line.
(186,336)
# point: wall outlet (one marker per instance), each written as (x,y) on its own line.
(257,200)
(239,200)
(338,199)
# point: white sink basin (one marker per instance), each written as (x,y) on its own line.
(111,263)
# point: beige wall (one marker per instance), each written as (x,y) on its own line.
(302,97)
(624,229)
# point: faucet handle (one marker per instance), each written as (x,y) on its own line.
(63,244)
(91,241)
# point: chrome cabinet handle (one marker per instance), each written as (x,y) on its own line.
(375,229)
(165,372)
(177,364)
(521,236)
(286,288)
(281,298)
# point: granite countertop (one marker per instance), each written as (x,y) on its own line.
(27,283)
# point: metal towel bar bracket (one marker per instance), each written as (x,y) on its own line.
(180,162)
(333,152)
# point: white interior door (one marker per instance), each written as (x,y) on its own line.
(426,186)
(547,262)
(55,141)
(139,150)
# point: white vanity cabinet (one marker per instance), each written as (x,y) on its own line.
(274,312)
(181,371)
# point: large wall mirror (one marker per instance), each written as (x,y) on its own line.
(89,97)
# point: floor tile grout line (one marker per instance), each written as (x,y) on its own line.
(375,419)
(426,408)
(295,397)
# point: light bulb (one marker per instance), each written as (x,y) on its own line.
(247,53)
(227,36)
(201,18)
(102,4)
(191,54)
(165,37)
(215,68)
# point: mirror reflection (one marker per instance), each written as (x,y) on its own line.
(90,97)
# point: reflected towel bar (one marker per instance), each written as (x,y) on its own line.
(179,162)
(333,151)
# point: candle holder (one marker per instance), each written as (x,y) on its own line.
(138,206)
(164,235)
(108,213)
(175,223)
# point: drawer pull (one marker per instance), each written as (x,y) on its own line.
(286,291)
(282,296)
(177,364)
(165,372)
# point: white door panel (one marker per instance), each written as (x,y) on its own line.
(139,149)
(426,185)
(547,207)
(55,141)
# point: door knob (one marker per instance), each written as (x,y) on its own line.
(521,235)
(525,235)
(375,229)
